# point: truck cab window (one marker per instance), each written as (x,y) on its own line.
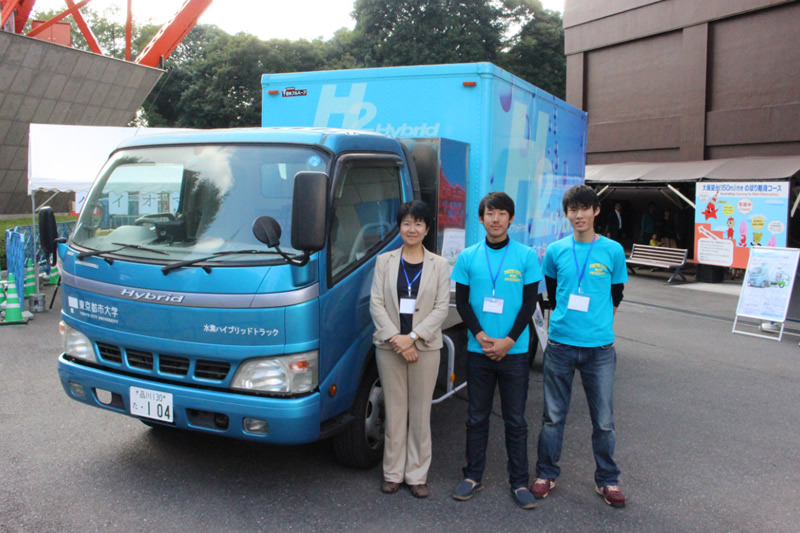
(365,203)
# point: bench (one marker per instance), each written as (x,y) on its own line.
(658,257)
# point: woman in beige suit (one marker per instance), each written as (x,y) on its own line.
(409,301)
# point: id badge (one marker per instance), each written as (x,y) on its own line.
(493,305)
(578,302)
(407,306)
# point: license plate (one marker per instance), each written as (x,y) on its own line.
(151,404)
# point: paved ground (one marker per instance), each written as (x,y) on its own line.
(708,440)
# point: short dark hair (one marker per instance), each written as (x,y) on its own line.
(580,196)
(496,200)
(418,210)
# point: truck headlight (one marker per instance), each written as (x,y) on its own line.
(288,374)
(76,343)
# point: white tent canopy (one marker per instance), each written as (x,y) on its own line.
(743,168)
(68,158)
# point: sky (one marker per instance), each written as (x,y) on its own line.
(272,19)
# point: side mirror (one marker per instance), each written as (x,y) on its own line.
(267,230)
(48,233)
(309,211)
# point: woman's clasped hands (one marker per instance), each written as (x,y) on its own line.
(404,345)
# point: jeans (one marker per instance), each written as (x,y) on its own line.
(597,366)
(511,374)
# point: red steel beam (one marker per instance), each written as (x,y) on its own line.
(128,31)
(8,10)
(57,18)
(23,12)
(172,33)
(91,40)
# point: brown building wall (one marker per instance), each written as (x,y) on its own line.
(679,80)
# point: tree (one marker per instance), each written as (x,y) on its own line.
(536,52)
(162,107)
(406,32)
(215,80)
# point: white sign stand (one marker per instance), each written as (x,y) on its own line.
(541,328)
(767,287)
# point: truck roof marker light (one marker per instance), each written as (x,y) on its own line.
(273,92)
(332,391)
(470,84)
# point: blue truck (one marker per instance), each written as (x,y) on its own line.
(218,281)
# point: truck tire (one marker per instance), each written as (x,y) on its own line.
(360,444)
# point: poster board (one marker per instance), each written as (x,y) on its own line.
(767,287)
(541,327)
(733,218)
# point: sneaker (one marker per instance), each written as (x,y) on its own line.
(466,490)
(524,498)
(542,487)
(612,495)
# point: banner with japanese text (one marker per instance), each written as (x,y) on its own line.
(733,217)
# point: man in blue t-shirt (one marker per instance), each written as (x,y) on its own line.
(584,274)
(496,287)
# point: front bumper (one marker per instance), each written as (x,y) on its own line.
(291,420)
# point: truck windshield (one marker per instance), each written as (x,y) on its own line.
(185,202)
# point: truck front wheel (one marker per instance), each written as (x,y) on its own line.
(360,445)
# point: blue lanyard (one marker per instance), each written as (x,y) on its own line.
(499,267)
(582,271)
(409,283)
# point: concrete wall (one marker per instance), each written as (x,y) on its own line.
(682,80)
(51,84)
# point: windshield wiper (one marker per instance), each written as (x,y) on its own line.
(166,269)
(122,246)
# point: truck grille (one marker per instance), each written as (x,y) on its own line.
(212,370)
(109,353)
(142,360)
(173,365)
(167,364)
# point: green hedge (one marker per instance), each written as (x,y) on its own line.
(13,223)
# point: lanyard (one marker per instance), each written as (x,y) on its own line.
(582,271)
(499,267)
(409,283)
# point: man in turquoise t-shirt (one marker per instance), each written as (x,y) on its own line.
(584,274)
(496,287)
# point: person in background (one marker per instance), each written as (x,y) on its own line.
(668,232)
(496,288)
(648,226)
(409,301)
(614,224)
(584,274)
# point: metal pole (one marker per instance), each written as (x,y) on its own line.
(676,191)
(33,240)
(794,206)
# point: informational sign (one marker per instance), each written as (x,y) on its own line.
(80,199)
(767,286)
(541,327)
(118,203)
(148,203)
(731,219)
(452,244)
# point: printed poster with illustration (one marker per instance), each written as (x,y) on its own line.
(768,283)
(732,218)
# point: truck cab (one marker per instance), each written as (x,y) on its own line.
(186,305)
